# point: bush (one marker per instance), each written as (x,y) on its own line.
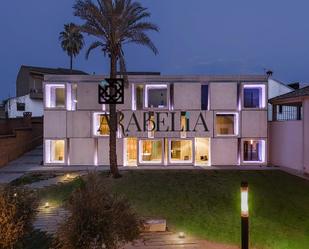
(17,212)
(98,219)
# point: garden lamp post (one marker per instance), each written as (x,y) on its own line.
(244,216)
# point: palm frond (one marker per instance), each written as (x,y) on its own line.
(93,46)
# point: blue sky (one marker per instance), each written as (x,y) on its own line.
(196,37)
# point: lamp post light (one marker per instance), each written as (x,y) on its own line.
(244,216)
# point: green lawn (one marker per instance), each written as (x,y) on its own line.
(207,203)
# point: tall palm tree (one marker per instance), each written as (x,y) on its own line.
(115,23)
(72,41)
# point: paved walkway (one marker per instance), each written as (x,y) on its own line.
(170,240)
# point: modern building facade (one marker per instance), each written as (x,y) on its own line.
(164,120)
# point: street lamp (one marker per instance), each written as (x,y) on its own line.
(244,216)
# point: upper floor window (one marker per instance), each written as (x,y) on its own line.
(21,107)
(227,124)
(71,97)
(254,96)
(55,96)
(156,96)
(204,97)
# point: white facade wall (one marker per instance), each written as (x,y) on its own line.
(225,96)
(31,105)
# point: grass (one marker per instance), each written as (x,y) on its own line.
(31,178)
(207,203)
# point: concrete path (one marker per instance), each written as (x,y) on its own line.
(8,177)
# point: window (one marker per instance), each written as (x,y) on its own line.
(71,97)
(54,151)
(181,151)
(21,107)
(202,151)
(131,151)
(55,96)
(151,151)
(100,124)
(254,96)
(227,124)
(254,151)
(156,96)
(204,97)
(139,97)
(183,124)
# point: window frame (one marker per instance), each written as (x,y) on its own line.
(47,148)
(170,160)
(236,124)
(263,151)
(95,125)
(140,151)
(156,86)
(262,98)
(47,95)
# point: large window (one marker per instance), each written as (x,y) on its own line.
(54,151)
(131,151)
(55,96)
(100,124)
(202,151)
(254,151)
(227,124)
(151,151)
(181,151)
(156,96)
(254,96)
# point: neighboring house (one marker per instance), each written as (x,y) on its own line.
(276,88)
(29,93)
(16,107)
(289,130)
(197,121)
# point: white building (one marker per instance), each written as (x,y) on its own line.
(15,107)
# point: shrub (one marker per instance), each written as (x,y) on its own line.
(17,211)
(98,218)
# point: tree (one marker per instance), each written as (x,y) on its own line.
(72,41)
(17,212)
(115,23)
(98,219)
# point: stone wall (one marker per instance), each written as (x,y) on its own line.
(18,136)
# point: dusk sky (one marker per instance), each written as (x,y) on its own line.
(196,37)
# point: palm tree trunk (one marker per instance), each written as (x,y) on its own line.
(71,63)
(113,125)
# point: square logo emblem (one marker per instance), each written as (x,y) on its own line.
(111,91)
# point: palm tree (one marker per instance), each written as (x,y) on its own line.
(115,23)
(72,41)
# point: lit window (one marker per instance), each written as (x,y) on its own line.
(156,96)
(227,124)
(181,151)
(55,96)
(183,124)
(100,124)
(130,145)
(54,151)
(254,151)
(202,151)
(151,151)
(254,96)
